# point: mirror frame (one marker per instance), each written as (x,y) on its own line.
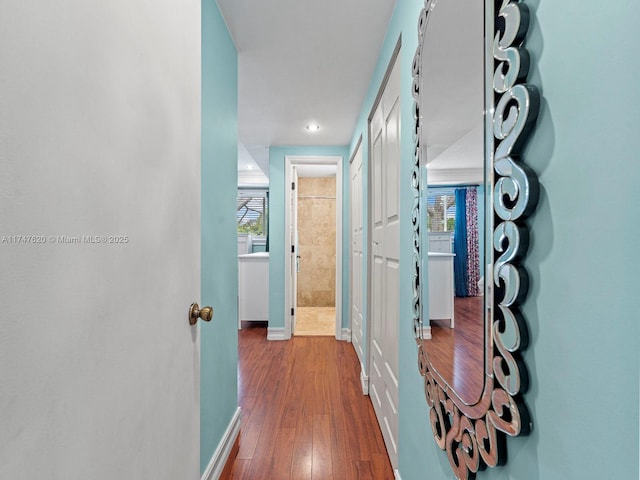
(474,436)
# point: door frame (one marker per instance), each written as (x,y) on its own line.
(290,162)
(294,255)
(363,358)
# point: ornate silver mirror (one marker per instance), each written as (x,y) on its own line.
(472,192)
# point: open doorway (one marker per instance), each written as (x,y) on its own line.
(313,287)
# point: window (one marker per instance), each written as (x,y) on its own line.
(252,212)
(441,209)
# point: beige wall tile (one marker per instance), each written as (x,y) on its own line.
(317,241)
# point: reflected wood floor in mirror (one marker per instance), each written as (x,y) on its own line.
(458,353)
(303,412)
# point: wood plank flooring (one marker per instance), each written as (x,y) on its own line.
(303,412)
(458,353)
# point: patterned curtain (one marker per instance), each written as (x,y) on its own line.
(473,249)
(466,264)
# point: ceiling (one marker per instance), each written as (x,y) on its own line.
(453,119)
(302,62)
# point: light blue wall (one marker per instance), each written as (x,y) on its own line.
(219,357)
(583,304)
(277,242)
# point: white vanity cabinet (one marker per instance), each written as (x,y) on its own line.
(244,243)
(441,287)
(440,242)
(253,287)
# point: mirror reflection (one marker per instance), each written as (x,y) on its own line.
(452,134)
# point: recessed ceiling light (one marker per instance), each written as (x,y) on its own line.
(313,127)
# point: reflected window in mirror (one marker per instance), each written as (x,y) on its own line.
(441,209)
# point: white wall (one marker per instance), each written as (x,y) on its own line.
(99,135)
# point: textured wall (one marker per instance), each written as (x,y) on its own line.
(100,137)
(317,242)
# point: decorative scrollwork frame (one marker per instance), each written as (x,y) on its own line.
(474,436)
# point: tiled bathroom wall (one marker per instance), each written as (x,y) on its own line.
(317,241)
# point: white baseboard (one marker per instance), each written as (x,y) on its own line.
(364,381)
(276,333)
(426,332)
(346,335)
(220,456)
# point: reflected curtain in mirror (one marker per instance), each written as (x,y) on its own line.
(467,263)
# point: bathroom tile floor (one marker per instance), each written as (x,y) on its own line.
(315,321)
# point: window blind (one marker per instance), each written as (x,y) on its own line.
(251,212)
(441,209)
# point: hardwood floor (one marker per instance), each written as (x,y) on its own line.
(465,345)
(304,415)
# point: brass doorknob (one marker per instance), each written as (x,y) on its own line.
(195,312)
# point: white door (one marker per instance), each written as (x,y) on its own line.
(99,239)
(384,248)
(295,254)
(356,261)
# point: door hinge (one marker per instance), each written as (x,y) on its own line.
(293,312)
(293,249)
(293,185)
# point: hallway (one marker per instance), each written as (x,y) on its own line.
(303,412)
